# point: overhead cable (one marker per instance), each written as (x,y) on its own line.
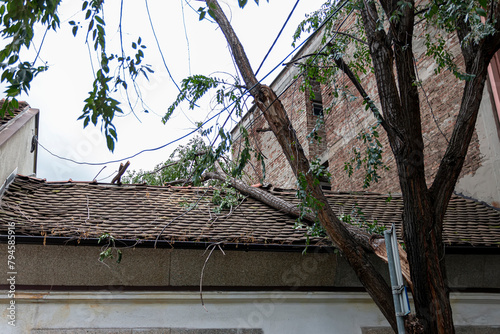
(136,154)
(277,37)
(211,118)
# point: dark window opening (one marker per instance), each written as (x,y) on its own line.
(317,109)
(324,180)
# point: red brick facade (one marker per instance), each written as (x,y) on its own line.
(344,119)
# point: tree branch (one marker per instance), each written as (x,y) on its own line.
(275,114)
(477,57)
(371,243)
(352,37)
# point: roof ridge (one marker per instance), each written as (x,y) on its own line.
(125,185)
(469,198)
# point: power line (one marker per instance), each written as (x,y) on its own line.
(299,46)
(208,120)
(136,154)
(161,52)
(277,37)
(307,39)
(159,48)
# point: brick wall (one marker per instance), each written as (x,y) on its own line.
(346,116)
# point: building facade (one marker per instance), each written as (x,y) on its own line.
(345,118)
(18,148)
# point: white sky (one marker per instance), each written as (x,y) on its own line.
(199,48)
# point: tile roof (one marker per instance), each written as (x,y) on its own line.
(87,210)
(8,117)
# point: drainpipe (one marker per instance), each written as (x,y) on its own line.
(399,293)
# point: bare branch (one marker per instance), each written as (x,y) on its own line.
(352,37)
(213,246)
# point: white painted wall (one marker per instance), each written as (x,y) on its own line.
(274,312)
(15,152)
(484,184)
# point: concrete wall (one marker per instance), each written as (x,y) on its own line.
(15,145)
(67,288)
(78,266)
(274,312)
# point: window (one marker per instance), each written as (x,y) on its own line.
(317,109)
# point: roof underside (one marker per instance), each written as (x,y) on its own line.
(88,210)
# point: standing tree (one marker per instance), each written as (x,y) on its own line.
(387,27)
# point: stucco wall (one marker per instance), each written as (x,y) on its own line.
(484,184)
(15,145)
(66,287)
(274,312)
(78,266)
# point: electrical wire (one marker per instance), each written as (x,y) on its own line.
(277,37)
(40,48)
(306,40)
(161,52)
(293,51)
(208,120)
(138,153)
(159,48)
(186,35)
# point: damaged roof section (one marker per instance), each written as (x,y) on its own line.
(83,210)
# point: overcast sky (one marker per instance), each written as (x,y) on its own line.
(189,46)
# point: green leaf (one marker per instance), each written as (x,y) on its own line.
(86,121)
(119,252)
(110,142)
(242,3)
(113,133)
(100,20)
(481,12)
(202,13)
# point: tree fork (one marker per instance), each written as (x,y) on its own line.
(400,108)
(275,115)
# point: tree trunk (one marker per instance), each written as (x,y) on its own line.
(424,208)
(400,106)
(274,113)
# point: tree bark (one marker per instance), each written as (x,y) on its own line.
(371,244)
(400,106)
(274,113)
(424,208)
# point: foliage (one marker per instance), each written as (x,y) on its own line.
(115,71)
(18,19)
(187,164)
(100,104)
(182,164)
(225,197)
(357,218)
(229,96)
(370,159)
(109,250)
(204,10)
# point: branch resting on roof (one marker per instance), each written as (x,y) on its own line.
(371,243)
